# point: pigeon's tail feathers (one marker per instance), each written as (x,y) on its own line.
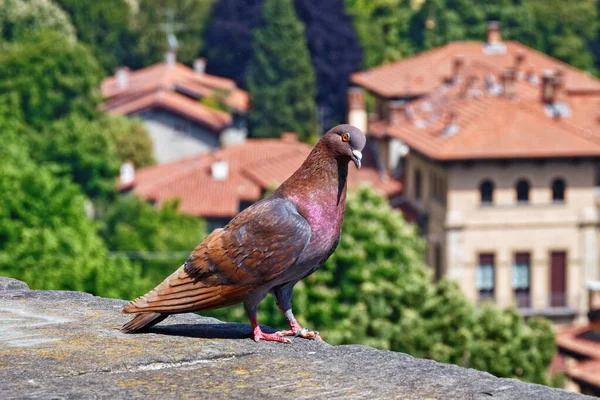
(142,322)
(181,293)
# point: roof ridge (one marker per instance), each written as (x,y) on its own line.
(554,59)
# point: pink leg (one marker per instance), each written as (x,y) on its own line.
(297,330)
(260,335)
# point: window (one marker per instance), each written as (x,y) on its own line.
(437,186)
(558,279)
(485,276)
(418,184)
(486,190)
(558,190)
(433,186)
(522,191)
(520,279)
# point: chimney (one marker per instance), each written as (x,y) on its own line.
(357,112)
(519,60)
(594,305)
(451,127)
(396,111)
(457,66)
(170,57)
(559,84)
(494,35)
(220,170)
(468,90)
(548,87)
(127,173)
(508,82)
(122,75)
(200,65)
(593,288)
(356,98)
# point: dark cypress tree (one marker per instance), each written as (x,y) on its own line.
(335,53)
(280,77)
(227,37)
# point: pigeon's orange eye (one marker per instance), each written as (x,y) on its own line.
(345,137)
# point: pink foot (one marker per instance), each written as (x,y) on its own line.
(271,337)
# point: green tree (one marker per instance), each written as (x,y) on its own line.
(281,80)
(47,76)
(161,237)
(148,24)
(566,30)
(382,27)
(105,27)
(46,238)
(393,29)
(20,18)
(82,151)
(376,291)
(130,138)
(438,22)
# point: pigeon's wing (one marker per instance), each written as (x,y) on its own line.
(254,248)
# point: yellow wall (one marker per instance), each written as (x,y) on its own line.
(465,228)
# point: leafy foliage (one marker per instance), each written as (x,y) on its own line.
(47,76)
(383,28)
(376,291)
(45,237)
(566,30)
(83,152)
(133,225)
(20,18)
(105,27)
(130,139)
(281,81)
(392,30)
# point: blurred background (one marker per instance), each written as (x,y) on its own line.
(132,128)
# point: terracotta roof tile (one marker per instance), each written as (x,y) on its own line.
(424,72)
(254,166)
(174,87)
(488,125)
(570,340)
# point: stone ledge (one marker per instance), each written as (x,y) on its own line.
(66,345)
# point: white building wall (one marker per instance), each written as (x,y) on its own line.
(175,137)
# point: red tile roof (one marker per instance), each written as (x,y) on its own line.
(569,340)
(176,88)
(254,166)
(424,72)
(487,124)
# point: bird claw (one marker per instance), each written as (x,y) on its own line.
(305,333)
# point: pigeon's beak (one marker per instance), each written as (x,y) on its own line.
(356,157)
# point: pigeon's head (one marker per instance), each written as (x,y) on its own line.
(345,142)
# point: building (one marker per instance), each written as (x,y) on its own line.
(218,185)
(185,110)
(498,146)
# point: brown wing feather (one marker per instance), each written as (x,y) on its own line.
(253,249)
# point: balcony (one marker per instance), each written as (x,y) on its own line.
(556,309)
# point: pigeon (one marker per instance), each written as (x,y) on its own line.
(267,248)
